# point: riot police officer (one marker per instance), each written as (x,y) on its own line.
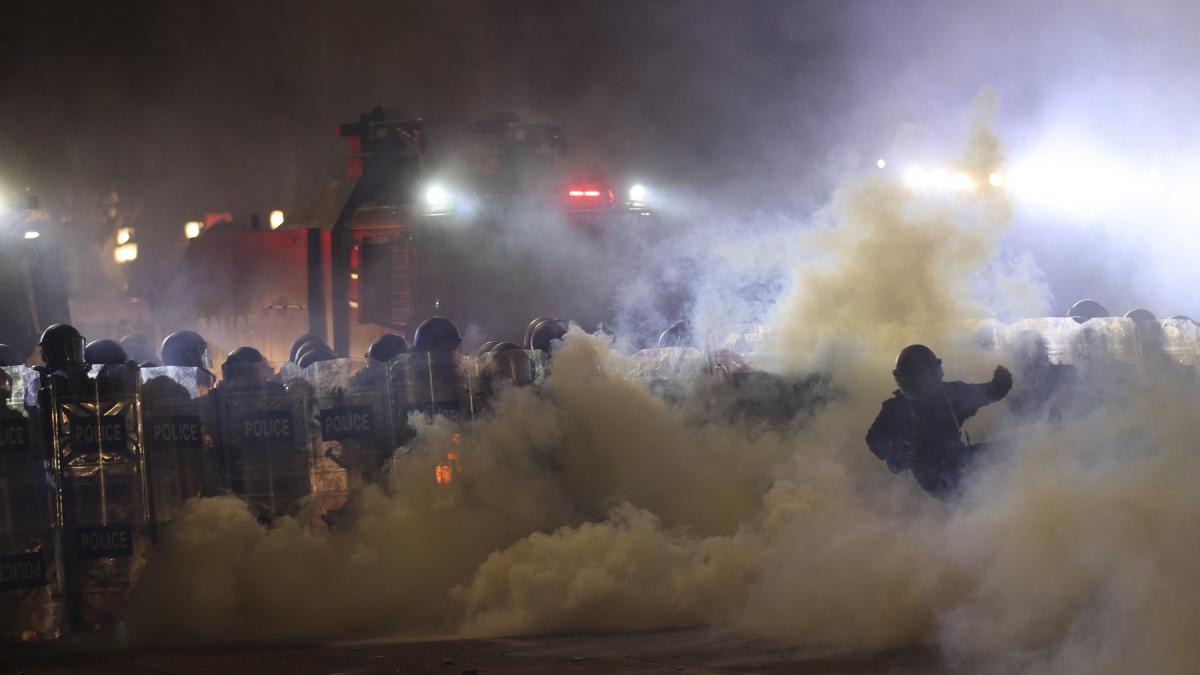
(432,372)
(245,369)
(139,348)
(188,349)
(114,376)
(546,333)
(920,428)
(506,364)
(62,351)
(264,435)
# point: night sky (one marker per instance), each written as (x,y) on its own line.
(191,107)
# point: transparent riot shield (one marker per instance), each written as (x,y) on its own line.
(32,590)
(180,450)
(667,370)
(1181,341)
(353,425)
(745,360)
(97,454)
(1060,335)
(432,383)
(265,440)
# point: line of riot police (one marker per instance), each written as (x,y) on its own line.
(98,454)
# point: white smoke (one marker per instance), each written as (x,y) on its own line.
(593,504)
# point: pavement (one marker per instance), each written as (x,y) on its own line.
(693,651)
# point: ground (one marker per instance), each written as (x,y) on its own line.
(695,651)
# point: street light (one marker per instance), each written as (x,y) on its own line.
(276,219)
(192,229)
(124,234)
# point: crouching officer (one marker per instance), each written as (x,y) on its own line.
(920,427)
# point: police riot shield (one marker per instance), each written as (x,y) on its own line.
(353,425)
(667,370)
(180,450)
(32,590)
(265,441)
(432,383)
(1059,335)
(1181,341)
(100,466)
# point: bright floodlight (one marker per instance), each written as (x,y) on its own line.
(880,163)
(32,234)
(276,219)
(637,193)
(124,234)
(961,180)
(916,178)
(437,197)
(997,179)
(192,229)
(125,252)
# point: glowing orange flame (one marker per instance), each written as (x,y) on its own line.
(444,474)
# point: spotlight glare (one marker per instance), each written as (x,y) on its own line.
(437,197)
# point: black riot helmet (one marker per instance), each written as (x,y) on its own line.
(9,356)
(300,343)
(505,347)
(918,371)
(1173,317)
(308,347)
(186,348)
(138,347)
(1087,309)
(243,355)
(105,353)
(486,347)
(1141,316)
(436,334)
(545,333)
(678,334)
(387,347)
(315,354)
(527,341)
(62,345)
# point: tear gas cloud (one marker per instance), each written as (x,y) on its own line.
(594,504)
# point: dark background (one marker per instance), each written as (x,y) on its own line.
(191,107)
(187,108)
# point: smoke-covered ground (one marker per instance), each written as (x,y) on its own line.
(593,504)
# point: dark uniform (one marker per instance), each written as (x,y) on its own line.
(920,427)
